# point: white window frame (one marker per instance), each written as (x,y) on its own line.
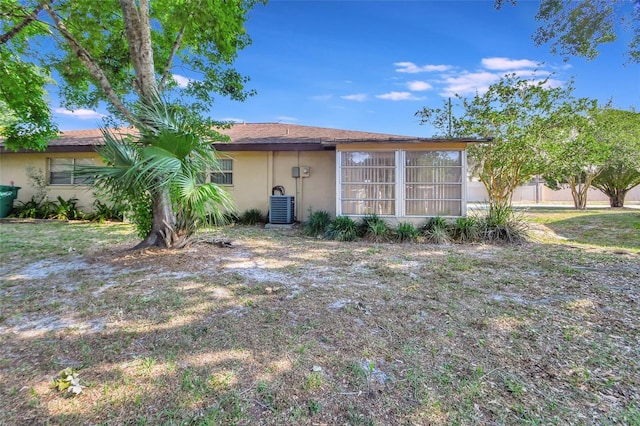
(400,170)
(72,178)
(222,171)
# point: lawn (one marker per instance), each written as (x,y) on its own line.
(284,329)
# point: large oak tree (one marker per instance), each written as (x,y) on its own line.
(579,27)
(124,53)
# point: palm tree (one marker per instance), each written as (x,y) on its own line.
(157,173)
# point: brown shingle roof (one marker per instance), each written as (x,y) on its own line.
(249,136)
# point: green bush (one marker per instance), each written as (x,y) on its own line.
(37,208)
(251,217)
(317,223)
(407,232)
(67,209)
(465,229)
(501,224)
(436,231)
(103,212)
(31,209)
(374,228)
(342,228)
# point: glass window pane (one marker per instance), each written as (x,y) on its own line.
(368,159)
(368,183)
(433,192)
(434,158)
(83,180)
(433,174)
(364,207)
(225,164)
(60,171)
(433,183)
(433,208)
(222,178)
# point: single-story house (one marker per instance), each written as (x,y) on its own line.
(341,171)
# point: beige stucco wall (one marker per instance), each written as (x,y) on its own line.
(541,194)
(13,168)
(256,173)
(254,176)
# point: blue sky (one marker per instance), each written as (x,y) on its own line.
(370,65)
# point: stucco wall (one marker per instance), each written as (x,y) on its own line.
(541,194)
(256,173)
(13,168)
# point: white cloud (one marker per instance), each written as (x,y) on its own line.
(181,80)
(358,97)
(419,86)
(507,64)
(286,119)
(411,68)
(399,96)
(81,114)
(469,83)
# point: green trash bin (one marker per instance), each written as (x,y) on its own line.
(7,195)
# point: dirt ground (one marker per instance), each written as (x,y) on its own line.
(283,329)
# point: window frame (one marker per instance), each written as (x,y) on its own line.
(401,189)
(222,171)
(73,181)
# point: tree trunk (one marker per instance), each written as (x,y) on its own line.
(163,232)
(616,198)
(579,190)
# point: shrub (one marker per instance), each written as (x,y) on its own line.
(436,230)
(407,232)
(67,209)
(37,208)
(251,217)
(342,228)
(103,212)
(465,229)
(317,223)
(501,224)
(31,209)
(374,228)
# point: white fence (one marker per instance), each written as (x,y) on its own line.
(538,193)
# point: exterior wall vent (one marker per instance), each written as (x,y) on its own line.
(281,209)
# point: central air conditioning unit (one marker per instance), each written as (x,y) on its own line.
(281,209)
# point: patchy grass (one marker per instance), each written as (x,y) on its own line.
(286,329)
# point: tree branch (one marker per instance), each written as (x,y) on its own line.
(174,49)
(26,21)
(93,68)
(138,30)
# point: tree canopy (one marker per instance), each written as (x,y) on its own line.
(24,109)
(620,130)
(124,53)
(516,113)
(578,28)
(573,151)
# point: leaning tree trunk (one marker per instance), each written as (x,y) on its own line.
(163,232)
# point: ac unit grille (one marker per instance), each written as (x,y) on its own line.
(281,209)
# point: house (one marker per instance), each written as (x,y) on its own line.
(341,171)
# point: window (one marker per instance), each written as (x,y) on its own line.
(61,171)
(223,176)
(368,181)
(433,183)
(401,183)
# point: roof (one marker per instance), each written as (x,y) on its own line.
(254,137)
